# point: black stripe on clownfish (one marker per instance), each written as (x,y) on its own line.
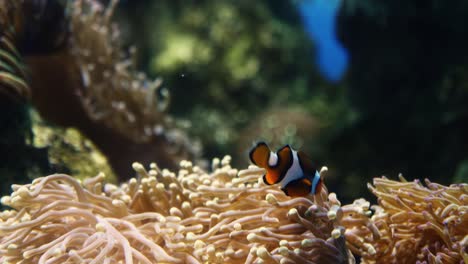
(292,169)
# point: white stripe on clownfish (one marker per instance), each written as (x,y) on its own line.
(273,160)
(294,172)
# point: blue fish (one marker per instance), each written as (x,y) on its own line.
(319,18)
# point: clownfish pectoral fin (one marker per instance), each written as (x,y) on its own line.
(265,180)
(260,154)
(299,187)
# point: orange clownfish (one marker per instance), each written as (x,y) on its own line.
(292,169)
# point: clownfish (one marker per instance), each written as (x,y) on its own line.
(292,169)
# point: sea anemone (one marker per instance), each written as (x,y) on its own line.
(113,92)
(412,223)
(159,216)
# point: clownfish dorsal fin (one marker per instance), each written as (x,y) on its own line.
(318,186)
(260,154)
(306,164)
(285,158)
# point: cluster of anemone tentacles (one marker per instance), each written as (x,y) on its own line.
(412,223)
(113,91)
(162,217)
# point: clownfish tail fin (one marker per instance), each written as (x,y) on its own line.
(316,183)
(318,189)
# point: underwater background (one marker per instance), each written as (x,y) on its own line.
(147,116)
(366,88)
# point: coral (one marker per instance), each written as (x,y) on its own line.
(81,76)
(159,216)
(69,151)
(12,72)
(411,224)
(17,159)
